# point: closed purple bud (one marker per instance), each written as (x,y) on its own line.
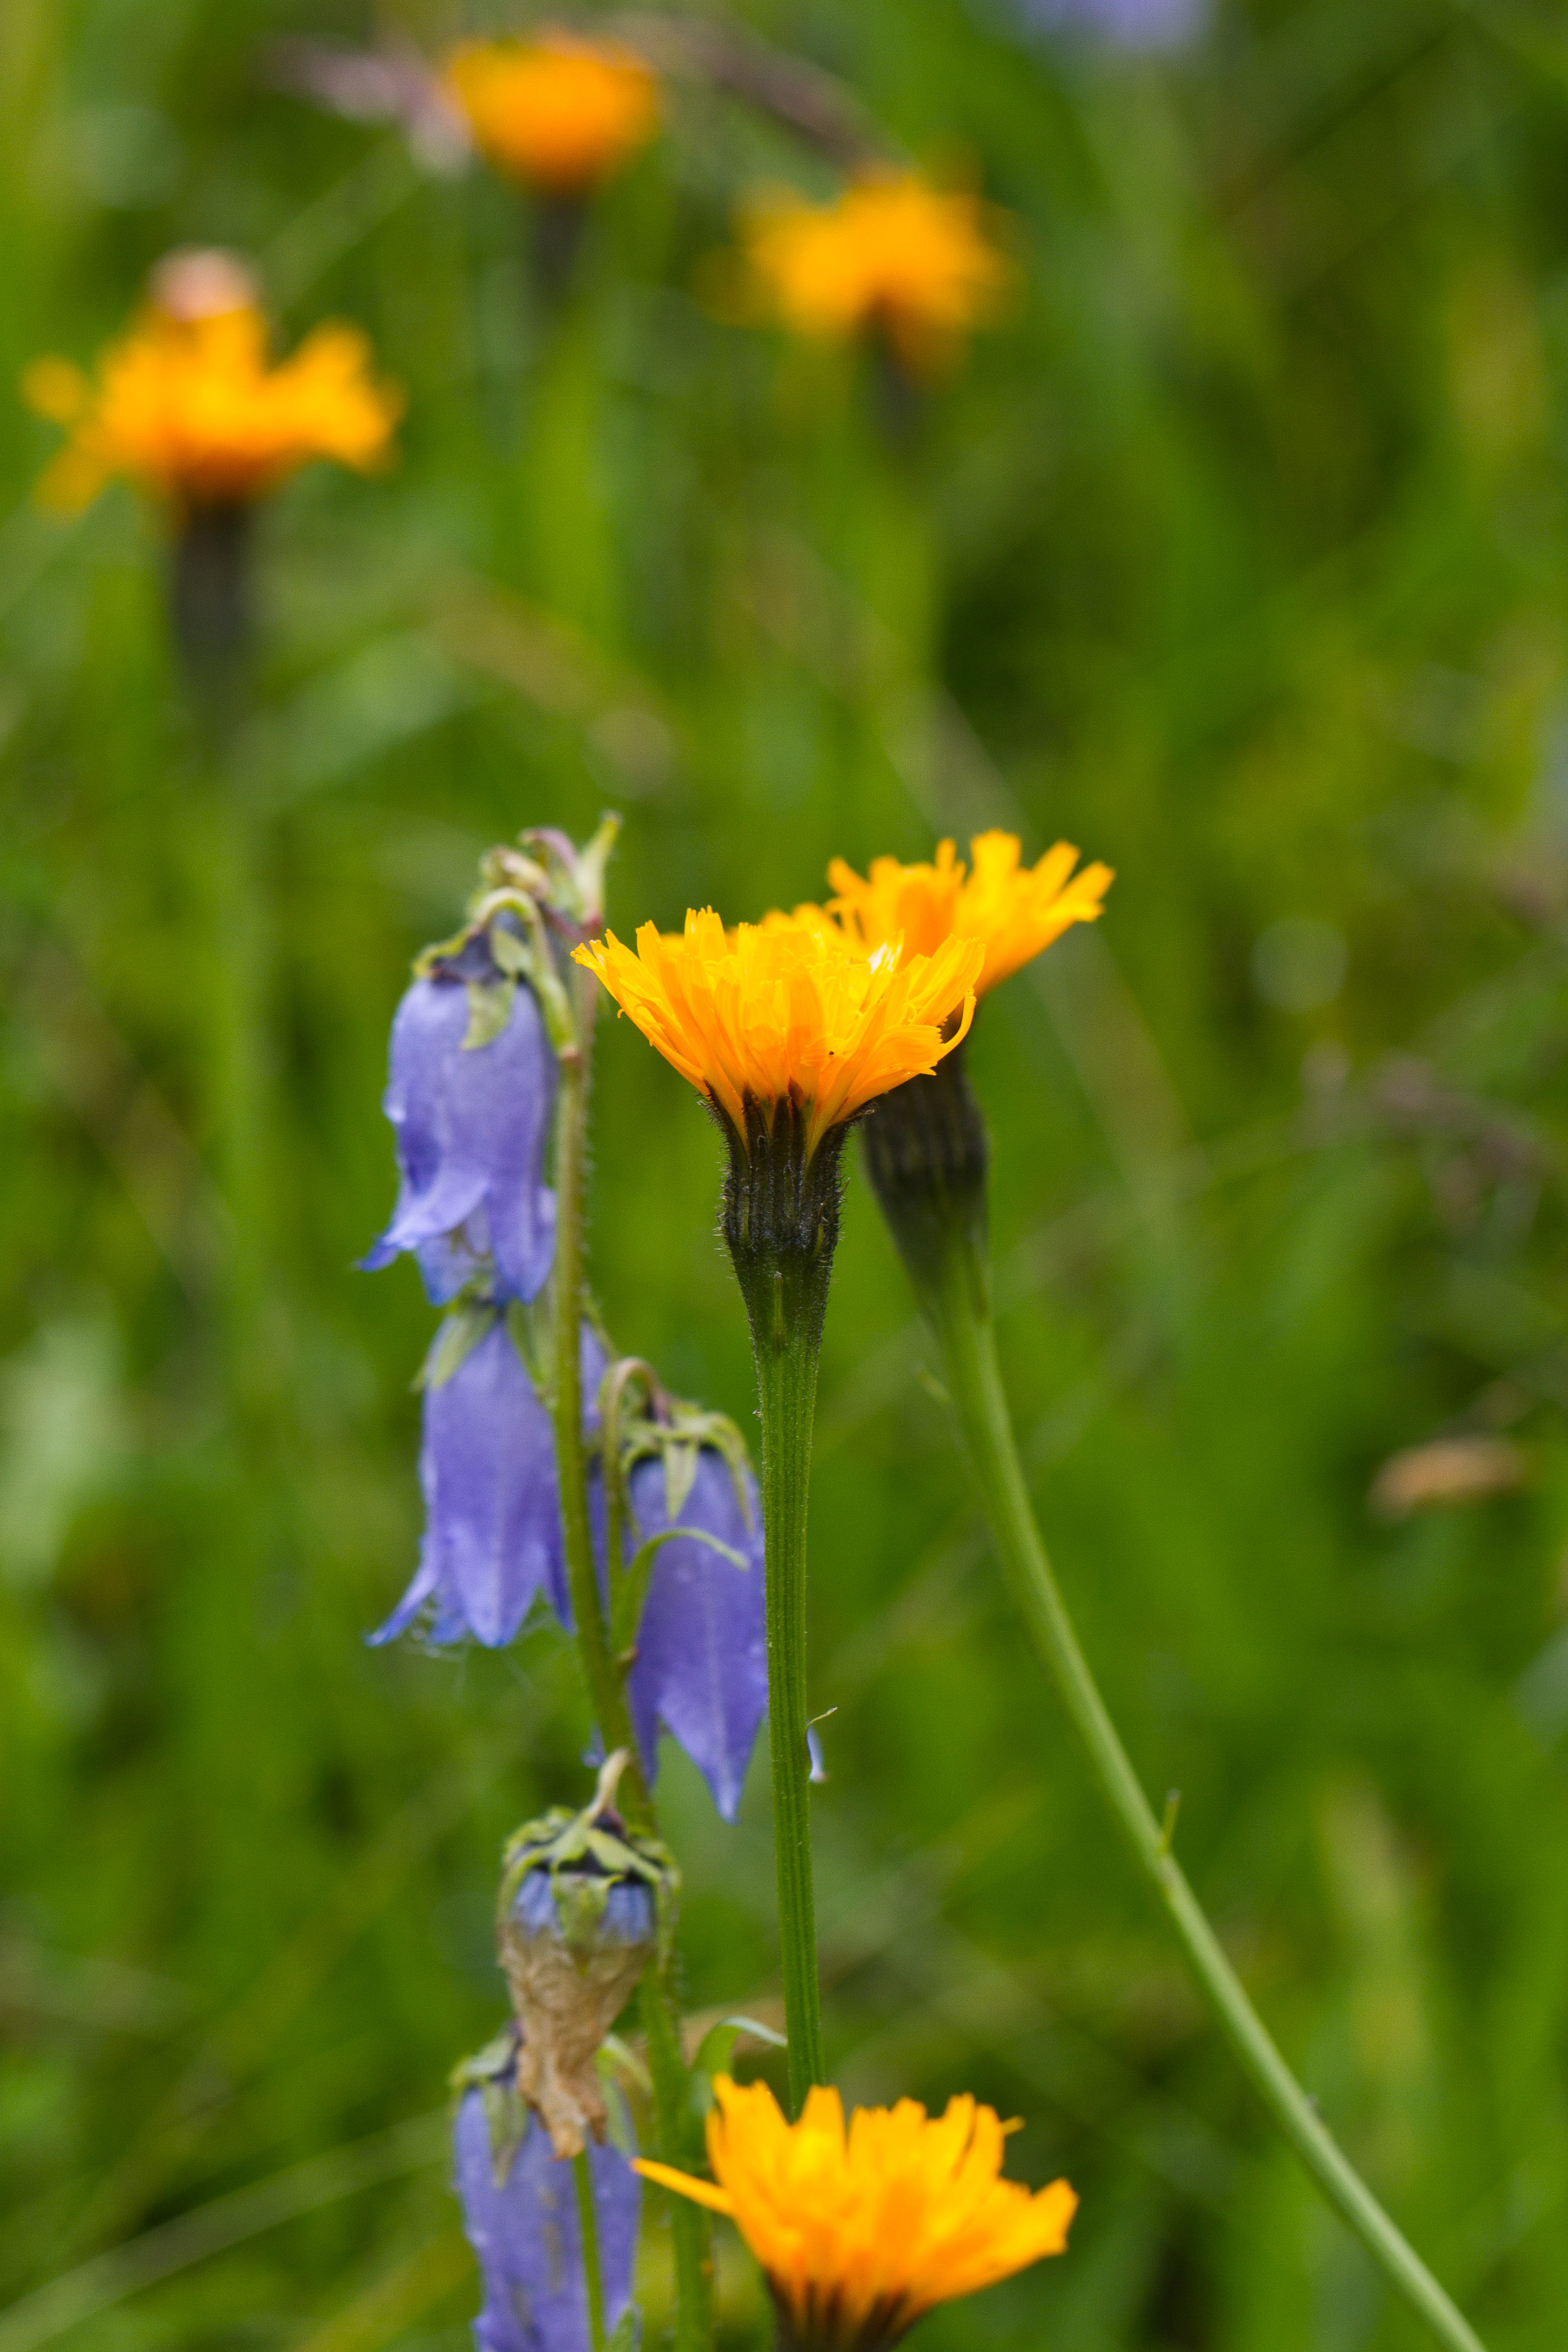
(701,1668)
(525,2234)
(470,1125)
(492,1536)
(584,1906)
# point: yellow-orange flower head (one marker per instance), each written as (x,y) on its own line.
(1013,910)
(788,1011)
(188,406)
(892,254)
(559,113)
(862,2232)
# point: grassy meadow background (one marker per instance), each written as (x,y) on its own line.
(1236,555)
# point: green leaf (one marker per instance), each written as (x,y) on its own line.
(456,1339)
(532,1327)
(715,2050)
(509,953)
(489,1010)
(680,1474)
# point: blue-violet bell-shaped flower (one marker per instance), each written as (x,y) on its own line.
(1126,24)
(492,1539)
(520,2213)
(701,1667)
(471,1121)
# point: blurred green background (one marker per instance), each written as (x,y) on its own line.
(1236,555)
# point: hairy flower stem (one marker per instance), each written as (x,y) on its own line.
(606,1690)
(780,1221)
(927,1162)
(592,2278)
(689,2226)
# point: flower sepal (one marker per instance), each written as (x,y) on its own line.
(671,1433)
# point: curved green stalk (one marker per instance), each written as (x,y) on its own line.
(606,1688)
(955,1296)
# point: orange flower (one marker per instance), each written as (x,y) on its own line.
(892,253)
(188,406)
(789,1009)
(558,112)
(860,2234)
(1013,910)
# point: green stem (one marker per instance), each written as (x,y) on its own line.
(588,2221)
(787,1383)
(955,1296)
(606,1691)
(689,2227)
(780,1222)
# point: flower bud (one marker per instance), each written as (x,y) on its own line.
(928,1154)
(584,1906)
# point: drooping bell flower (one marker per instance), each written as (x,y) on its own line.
(860,2231)
(1124,24)
(584,1906)
(521,2217)
(470,1112)
(493,1540)
(700,1665)
(914,266)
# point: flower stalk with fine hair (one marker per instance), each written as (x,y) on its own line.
(787,1033)
(927,1153)
(576,888)
(862,2232)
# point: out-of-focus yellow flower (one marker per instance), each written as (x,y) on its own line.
(788,1010)
(560,113)
(860,2232)
(187,406)
(1013,910)
(892,254)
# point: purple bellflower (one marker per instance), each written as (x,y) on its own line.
(1128,24)
(523,2225)
(701,1668)
(471,1123)
(492,1539)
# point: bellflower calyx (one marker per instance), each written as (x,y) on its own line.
(679,1526)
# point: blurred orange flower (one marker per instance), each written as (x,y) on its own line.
(892,254)
(559,113)
(862,2232)
(187,406)
(788,1010)
(1015,910)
